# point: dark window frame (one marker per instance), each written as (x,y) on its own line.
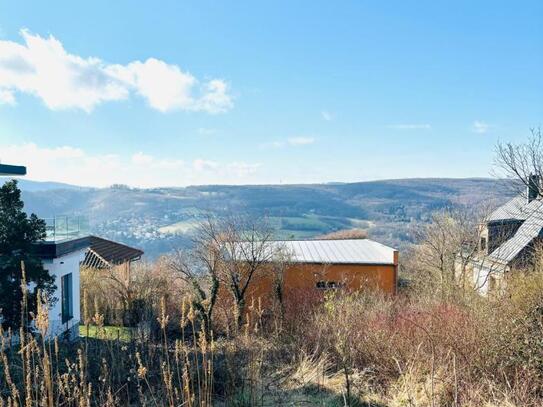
(67,297)
(328,285)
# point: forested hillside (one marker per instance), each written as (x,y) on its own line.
(161,219)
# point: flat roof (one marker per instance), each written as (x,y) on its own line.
(12,169)
(54,250)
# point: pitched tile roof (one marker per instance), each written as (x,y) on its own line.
(105,253)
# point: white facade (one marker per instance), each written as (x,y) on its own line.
(59,267)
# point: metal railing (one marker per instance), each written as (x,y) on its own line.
(66,227)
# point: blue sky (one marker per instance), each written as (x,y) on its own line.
(180,93)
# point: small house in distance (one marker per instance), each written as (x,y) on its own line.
(508,238)
(315,266)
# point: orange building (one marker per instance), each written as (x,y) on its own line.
(316,266)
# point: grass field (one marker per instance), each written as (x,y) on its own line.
(287,227)
(107,332)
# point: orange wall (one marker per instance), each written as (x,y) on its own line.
(301,279)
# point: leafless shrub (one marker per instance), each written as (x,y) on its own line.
(130,299)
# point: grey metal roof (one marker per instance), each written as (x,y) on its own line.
(517,208)
(528,231)
(341,251)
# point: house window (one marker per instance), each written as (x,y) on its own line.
(483,243)
(67,298)
(327,285)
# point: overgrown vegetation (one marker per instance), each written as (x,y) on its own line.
(416,349)
(437,343)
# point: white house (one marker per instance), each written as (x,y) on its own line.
(66,247)
(62,259)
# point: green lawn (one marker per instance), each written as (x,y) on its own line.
(107,332)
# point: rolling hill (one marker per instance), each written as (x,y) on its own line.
(160,219)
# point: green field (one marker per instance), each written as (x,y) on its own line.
(107,332)
(309,225)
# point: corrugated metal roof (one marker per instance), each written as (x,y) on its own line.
(517,208)
(528,231)
(345,251)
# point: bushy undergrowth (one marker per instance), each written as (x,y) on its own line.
(414,349)
(422,351)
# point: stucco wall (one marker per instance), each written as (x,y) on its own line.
(59,267)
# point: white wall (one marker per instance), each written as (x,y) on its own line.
(486,278)
(59,267)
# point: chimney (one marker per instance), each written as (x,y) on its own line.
(533,187)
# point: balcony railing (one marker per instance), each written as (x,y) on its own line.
(66,227)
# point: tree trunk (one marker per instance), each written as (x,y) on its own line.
(240,309)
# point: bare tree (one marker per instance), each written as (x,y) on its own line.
(282,260)
(446,246)
(248,247)
(199,268)
(521,162)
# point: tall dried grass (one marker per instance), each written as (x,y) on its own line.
(346,349)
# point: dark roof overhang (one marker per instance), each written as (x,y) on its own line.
(12,169)
(105,253)
(53,250)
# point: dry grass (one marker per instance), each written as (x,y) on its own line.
(349,349)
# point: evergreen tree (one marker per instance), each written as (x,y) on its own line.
(19,234)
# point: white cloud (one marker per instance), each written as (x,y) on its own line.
(216,98)
(43,68)
(326,115)
(142,159)
(242,169)
(75,166)
(273,144)
(292,141)
(480,127)
(410,126)
(204,165)
(300,141)
(7,97)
